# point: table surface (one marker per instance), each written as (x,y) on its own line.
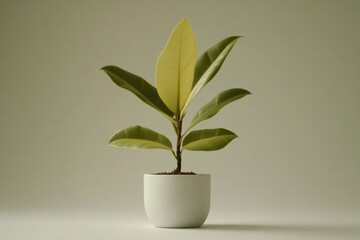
(64,226)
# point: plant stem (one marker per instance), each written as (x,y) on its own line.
(178,145)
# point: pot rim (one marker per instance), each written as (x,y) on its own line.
(176,175)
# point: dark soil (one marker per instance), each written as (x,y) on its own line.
(175,173)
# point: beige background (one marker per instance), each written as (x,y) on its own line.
(298,154)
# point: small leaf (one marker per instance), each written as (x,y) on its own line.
(140,138)
(175,67)
(138,86)
(208,139)
(208,65)
(216,104)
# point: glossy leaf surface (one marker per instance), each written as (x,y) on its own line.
(140,138)
(138,86)
(175,67)
(217,103)
(208,139)
(208,65)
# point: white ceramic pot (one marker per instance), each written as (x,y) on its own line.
(177,201)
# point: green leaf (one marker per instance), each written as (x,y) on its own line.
(140,138)
(208,65)
(138,86)
(175,67)
(216,104)
(208,139)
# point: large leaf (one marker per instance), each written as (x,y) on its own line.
(208,139)
(208,65)
(217,103)
(138,86)
(175,67)
(140,138)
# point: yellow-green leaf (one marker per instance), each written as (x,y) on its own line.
(140,138)
(138,86)
(208,64)
(175,67)
(217,103)
(208,139)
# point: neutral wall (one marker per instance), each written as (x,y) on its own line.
(298,152)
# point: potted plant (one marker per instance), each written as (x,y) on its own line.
(177,198)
